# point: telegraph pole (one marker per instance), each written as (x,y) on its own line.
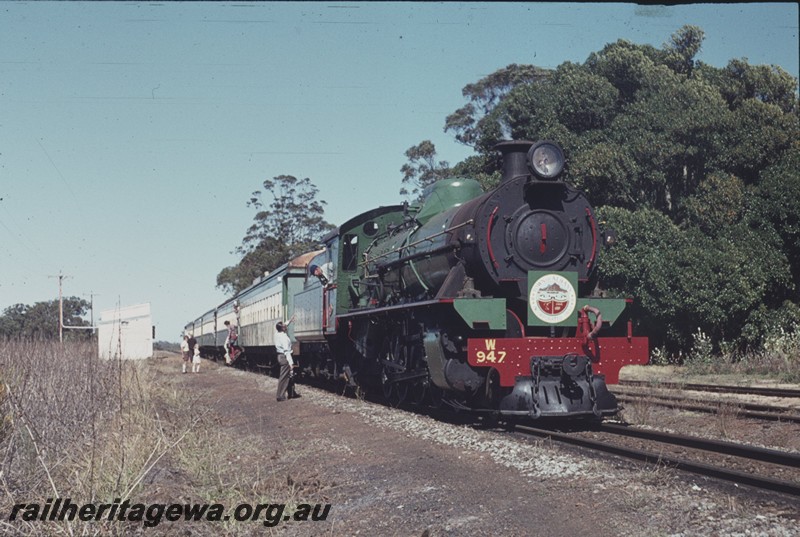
(60,307)
(91,307)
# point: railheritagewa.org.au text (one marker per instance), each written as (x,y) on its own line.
(151,515)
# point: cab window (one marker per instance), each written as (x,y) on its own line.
(350,253)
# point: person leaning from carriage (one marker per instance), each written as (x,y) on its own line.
(283,346)
(231,343)
(323,273)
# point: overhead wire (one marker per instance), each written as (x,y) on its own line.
(61,175)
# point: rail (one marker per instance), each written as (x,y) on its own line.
(717,472)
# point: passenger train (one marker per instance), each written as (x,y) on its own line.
(484,301)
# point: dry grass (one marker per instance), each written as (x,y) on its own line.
(727,415)
(635,497)
(755,365)
(639,411)
(75,426)
(778,358)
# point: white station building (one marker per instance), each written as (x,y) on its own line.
(126,333)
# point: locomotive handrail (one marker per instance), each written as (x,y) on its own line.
(418,255)
(367,259)
(419,278)
(489,238)
(594,238)
(598,322)
(395,307)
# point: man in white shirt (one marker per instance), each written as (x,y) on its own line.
(185,352)
(283,346)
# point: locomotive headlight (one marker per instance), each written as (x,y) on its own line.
(546,159)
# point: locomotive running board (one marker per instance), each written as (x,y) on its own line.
(389,309)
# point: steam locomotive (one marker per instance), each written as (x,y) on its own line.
(482,301)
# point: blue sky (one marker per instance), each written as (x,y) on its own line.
(132,134)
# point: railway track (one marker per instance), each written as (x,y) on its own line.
(744,410)
(761,468)
(716,388)
(659,394)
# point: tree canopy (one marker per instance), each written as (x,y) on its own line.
(422,169)
(40,320)
(696,167)
(292,223)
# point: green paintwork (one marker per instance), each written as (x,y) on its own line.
(610,308)
(482,312)
(446,194)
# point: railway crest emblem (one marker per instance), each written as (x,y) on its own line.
(552,298)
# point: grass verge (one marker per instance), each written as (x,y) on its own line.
(97,431)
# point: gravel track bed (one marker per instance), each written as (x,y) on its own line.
(644,500)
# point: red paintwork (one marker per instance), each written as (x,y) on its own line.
(608,354)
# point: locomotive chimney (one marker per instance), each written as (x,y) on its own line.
(515,158)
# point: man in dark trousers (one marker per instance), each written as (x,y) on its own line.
(231,350)
(283,346)
(192,343)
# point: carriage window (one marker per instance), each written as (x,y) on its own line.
(350,253)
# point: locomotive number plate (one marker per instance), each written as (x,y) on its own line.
(486,355)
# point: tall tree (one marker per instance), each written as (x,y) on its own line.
(776,204)
(484,95)
(289,222)
(682,48)
(696,167)
(422,169)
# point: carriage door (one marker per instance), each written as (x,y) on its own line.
(329,294)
